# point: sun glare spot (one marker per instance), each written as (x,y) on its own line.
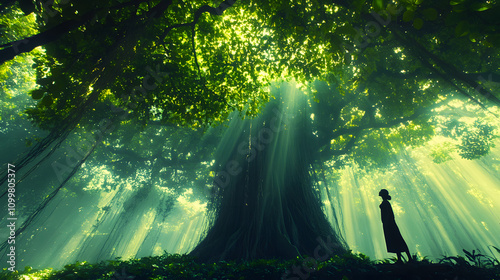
(485,226)
(191,207)
(425,86)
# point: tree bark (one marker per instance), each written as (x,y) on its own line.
(265,203)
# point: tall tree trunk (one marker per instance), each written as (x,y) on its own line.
(265,204)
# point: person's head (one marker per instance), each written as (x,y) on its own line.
(384,194)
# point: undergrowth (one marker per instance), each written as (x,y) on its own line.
(474,265)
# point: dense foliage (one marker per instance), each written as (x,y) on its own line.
(347,266)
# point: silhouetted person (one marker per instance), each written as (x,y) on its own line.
(393,239)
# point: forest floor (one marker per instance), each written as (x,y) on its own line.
(347,267)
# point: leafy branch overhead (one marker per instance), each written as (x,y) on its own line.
(381,64)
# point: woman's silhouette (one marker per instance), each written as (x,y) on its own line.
(393,239)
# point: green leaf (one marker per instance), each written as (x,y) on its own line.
(462,28)
(47,101)
(335,40)
(418,23)
(378,5)
(459,8)
(498,250)
(408,15)
(27,6)
(468,254)
(456,2)
(481,6)
(37,94)
(347,59)
(430,14)
(346,30)
(393,9)
(474,37)
(493,40)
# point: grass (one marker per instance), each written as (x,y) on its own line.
(473,265)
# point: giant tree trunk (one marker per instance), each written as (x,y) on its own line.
(265,204)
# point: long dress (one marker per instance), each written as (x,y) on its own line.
(393,238)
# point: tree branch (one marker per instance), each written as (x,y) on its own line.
(30,43)
(12,49)
(205,8)
(356,131)
(448,71)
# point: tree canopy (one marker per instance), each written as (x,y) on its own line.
(193,63)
